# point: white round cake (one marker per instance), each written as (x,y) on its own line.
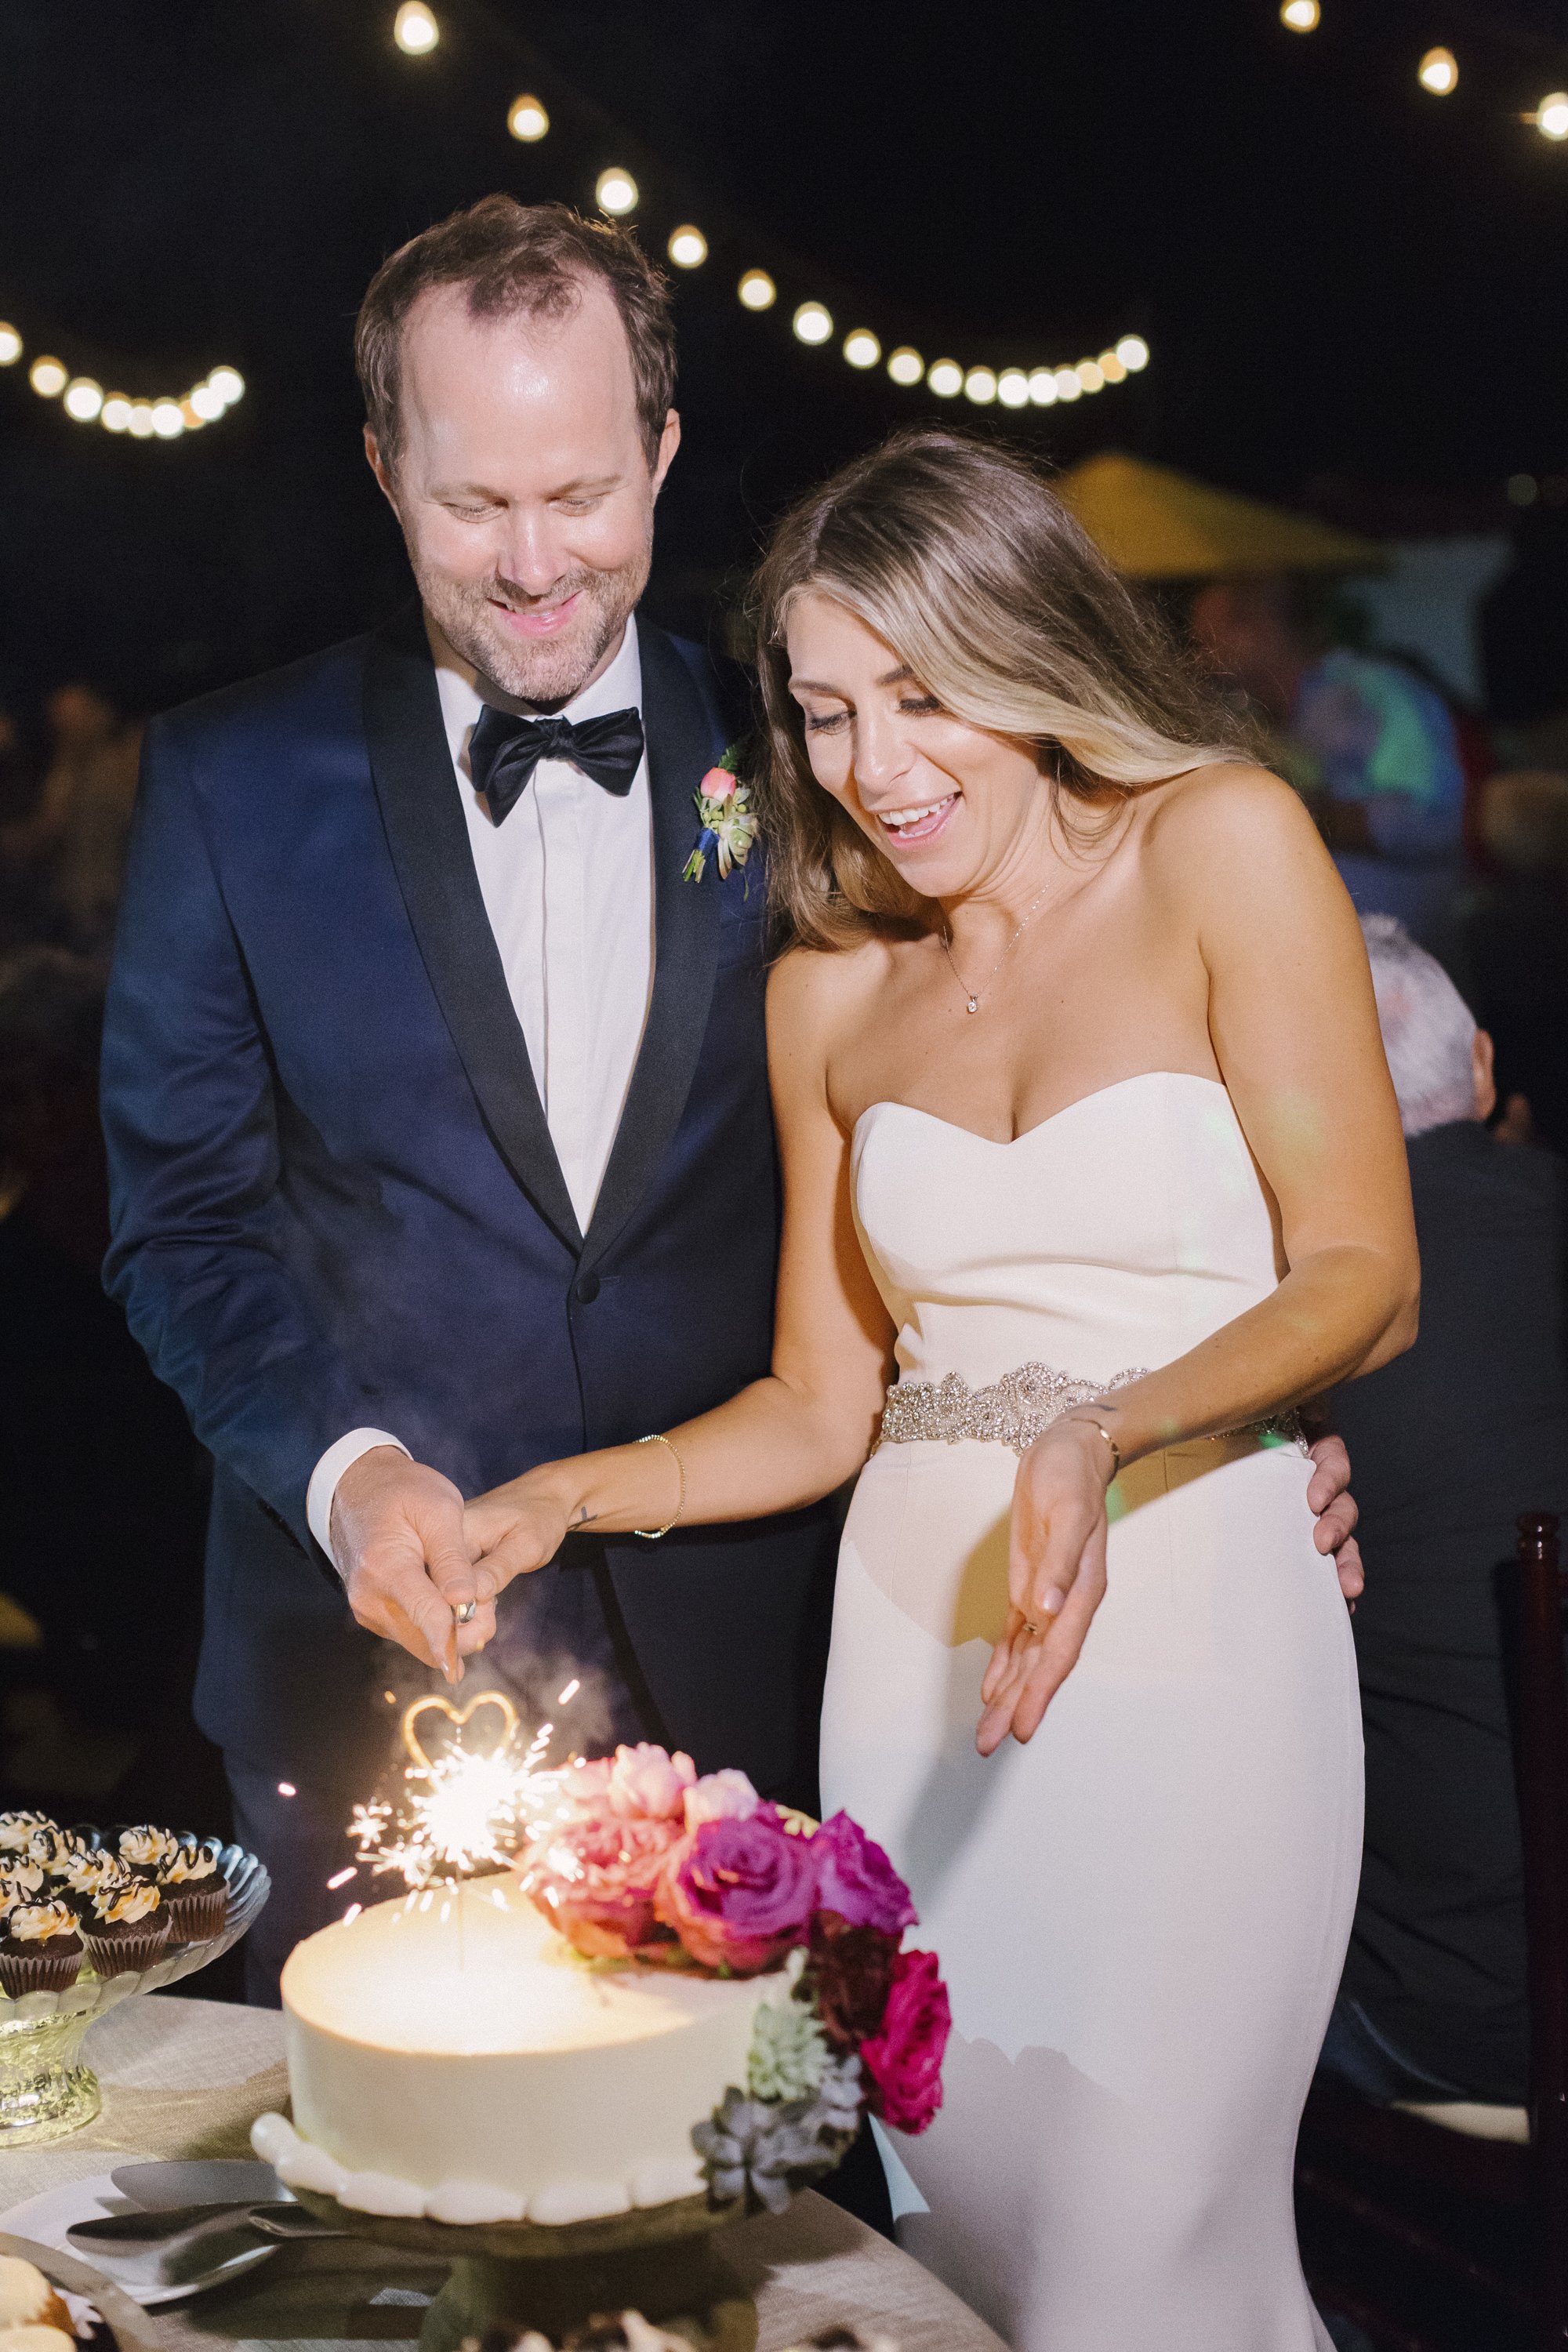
(450,2055)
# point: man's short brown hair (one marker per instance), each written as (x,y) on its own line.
(511,258)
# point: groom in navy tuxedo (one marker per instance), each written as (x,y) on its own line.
(436,1099)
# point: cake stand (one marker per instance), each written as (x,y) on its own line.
(46,2092)
(660,2261)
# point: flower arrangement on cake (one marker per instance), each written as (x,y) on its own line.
(647,1861)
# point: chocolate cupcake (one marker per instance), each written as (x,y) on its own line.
(50,1846)
(81,1874)
(126,1928)
(21,1881)
(16,1829)
(41,1950)
(145,1849)
(194,1892)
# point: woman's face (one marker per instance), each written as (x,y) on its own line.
(944,801)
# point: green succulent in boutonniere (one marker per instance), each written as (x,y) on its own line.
(729,827)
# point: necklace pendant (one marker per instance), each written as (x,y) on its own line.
(972,1005)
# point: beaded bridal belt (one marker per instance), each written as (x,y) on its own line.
(1016,1409)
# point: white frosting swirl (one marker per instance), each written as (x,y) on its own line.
(123,1905)
(35,1923)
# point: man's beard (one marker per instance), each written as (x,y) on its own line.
(551,671)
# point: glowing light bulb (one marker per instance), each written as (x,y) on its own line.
(1013,388)
(757,290)
(10,345)
(207,401)
(1438,72)
(945,378)
(190,414)
(47,378)
(1043,387)
(227,384)
(414,29)
(527,120)
(687,248)
(861,347)
(905,365)
(1550,118)
(1300,15)
(1113,370)
(813,322)
(168,424)
(1090,375)
(1133,353)
(1067,385)
(616,191)
(980,386)
(115,414)
(83,399)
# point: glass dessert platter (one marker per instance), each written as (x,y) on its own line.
(660,2260)
(46,2092)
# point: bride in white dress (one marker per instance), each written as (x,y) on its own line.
(1087,1134)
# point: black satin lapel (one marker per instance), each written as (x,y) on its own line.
(430,843)
(680,750)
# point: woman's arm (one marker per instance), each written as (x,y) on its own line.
(785,1440)
(1234,856)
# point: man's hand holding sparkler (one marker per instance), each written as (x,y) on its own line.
(408,1570)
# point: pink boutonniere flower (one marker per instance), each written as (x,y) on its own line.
(729,827)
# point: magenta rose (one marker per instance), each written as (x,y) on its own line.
(855,1878)
(739,1892)
(904,2060)
(596,1882)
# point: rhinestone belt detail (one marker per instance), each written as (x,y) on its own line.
(1016,1409)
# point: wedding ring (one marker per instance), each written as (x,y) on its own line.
(468,1613)
(1029,1627)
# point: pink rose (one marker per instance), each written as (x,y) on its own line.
(648,1783)
(717,784)
(586,1786)
(739,1892)
(596,1881)
(721,1797)
(855,1878)
(904,2060)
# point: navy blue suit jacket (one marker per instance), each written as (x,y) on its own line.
(336,1202)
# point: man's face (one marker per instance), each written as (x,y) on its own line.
(523,488)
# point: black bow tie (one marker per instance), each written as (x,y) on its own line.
(504,752)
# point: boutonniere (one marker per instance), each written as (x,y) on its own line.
(723,803)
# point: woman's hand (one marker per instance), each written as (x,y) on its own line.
(1056,1578)
(514,1530)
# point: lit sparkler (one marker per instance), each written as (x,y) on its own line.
(462,1811)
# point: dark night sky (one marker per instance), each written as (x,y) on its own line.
(1339,276)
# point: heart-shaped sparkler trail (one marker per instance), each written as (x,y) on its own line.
(458,1718)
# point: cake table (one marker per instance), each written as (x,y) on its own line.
(189,2077)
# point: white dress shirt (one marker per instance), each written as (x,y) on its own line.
(567,882)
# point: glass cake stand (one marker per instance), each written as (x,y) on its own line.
(660,2261)
(46,2093)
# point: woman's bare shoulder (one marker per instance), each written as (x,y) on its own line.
(816,995)
(1231,820)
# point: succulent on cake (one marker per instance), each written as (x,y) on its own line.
(646,1861)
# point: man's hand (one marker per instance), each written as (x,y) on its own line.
(397,1538)
(1329,1495)
(516,1529)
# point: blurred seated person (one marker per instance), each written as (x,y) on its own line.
(1369,744)
(75,839)
(1449,1443)
(1513,947)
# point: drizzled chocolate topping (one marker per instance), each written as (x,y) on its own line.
(35,1923)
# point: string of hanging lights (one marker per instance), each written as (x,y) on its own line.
(417,31)
(84,399)
(1438,72)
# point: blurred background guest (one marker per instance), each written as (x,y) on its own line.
(1369,742)
(1511,946)
(73,841)
(1448,1445)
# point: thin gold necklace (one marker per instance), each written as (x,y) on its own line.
(973,996)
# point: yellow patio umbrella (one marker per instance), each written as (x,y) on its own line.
(1156,524)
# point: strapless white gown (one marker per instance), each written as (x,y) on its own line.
(1142,1913)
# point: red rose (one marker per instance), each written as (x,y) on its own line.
(904,2060)
(852,1968)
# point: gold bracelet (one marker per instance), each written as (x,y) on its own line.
(653,1534)
(1115,1449)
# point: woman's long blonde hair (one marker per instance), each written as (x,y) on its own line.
(958,554)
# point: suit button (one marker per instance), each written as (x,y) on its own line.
(586,1289)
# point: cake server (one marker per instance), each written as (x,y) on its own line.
(208,2180)
(161,2228)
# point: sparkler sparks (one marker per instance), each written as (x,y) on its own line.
(461,1811)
